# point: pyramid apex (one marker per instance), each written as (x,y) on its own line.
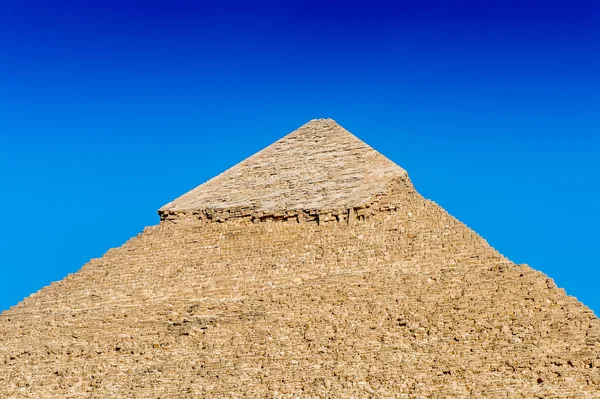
(319,166)
(325,125)
(321,121)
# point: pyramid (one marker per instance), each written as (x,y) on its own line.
(313,269)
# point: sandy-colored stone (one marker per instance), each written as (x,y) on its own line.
(373,293)
(319,167)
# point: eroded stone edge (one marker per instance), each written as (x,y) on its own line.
(384,201)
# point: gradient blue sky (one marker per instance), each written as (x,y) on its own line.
(108,110)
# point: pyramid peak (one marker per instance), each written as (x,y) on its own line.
(321,128)
(319,166)
(321,122)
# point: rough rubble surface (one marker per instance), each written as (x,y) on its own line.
(389,298)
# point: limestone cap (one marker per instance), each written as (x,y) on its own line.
(320,165)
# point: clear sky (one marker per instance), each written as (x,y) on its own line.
(108,110)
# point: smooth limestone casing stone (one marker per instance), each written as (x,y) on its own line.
(321,168)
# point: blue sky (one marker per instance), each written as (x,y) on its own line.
(108,110)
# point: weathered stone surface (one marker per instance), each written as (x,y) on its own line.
(386,297)
(319,167)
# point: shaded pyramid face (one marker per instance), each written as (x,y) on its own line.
(311,270)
